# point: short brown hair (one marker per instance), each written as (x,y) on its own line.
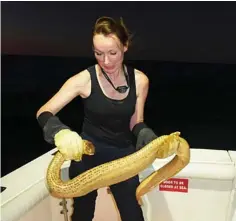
(107,25)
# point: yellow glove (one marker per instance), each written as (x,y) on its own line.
(70,144)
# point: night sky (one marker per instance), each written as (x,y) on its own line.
(169,31)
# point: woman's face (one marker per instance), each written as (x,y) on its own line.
(109,52)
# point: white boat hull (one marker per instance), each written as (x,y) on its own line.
(203,191)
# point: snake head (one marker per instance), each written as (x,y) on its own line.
(169,145)
(89,148)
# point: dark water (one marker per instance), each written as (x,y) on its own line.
(197,99)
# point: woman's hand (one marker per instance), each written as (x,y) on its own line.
(70,144)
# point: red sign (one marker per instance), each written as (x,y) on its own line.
(174,185)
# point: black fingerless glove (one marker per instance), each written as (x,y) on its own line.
(50,125)
(144,135)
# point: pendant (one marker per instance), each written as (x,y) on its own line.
(122,89)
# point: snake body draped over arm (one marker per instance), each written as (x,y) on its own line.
(121,169)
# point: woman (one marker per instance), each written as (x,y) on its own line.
(114,96)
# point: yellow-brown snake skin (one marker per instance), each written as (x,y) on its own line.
(121,169)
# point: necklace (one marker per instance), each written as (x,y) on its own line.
(121,89)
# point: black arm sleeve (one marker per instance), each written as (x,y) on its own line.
(50,125)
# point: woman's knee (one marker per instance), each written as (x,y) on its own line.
(84,207)
(125,197)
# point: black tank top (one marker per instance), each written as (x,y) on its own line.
(106,119)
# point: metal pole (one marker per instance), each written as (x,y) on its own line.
(64,209)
